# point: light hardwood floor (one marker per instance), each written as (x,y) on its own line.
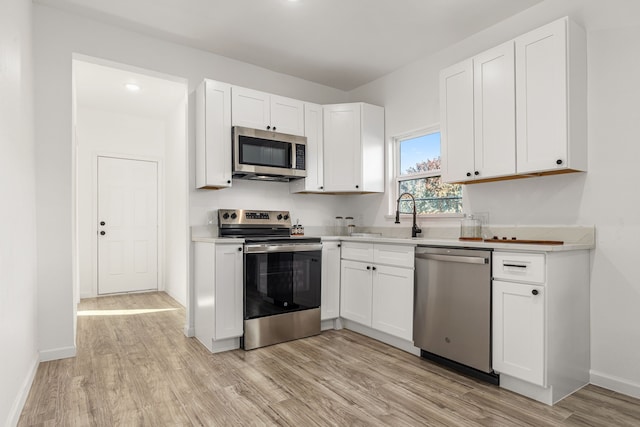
(135,367)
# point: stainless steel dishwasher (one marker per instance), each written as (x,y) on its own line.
(452,309)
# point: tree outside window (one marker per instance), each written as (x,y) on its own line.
(418,172)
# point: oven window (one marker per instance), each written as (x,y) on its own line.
(263,152)
(281,282)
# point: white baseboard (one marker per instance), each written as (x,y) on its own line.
(57,353)
(189,331)
(21,398)
(381,336)
(614,383)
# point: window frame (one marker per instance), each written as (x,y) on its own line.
(396,177)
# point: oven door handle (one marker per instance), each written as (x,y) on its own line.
(294,247)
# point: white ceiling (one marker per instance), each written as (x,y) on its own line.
(339,43)
(103,88)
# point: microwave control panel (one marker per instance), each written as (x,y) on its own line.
(300,156)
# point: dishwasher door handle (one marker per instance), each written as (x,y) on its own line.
(454,258)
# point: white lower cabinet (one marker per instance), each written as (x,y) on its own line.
(330,294)
(356,291)
(392,301)
(375,294)
(518,339)
(541,322)
(218,295)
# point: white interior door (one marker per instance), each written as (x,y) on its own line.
(127,225)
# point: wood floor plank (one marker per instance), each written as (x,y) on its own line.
(134,367)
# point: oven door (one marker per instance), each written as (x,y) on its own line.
(281,278)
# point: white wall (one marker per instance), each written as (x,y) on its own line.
(176,205)
(98,133)
(57,36)
(605,196)
(18,289)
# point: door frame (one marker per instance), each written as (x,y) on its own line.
(94,214)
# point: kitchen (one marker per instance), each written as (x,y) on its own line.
(565,200)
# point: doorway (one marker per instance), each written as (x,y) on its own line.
(127,225)
(129,125)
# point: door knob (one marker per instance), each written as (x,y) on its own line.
(102,223)
(102,233)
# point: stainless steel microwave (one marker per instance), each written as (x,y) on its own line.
(270,156)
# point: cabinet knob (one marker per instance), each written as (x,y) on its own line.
(102,223)
(357,186)
(228,181)
(476,173)
(268,127)
(373,268)
(239,249)
(559,162)
(321,187)
(274,128)
(368,267)
(534,292)
(339,245)
(468,173)
(102,233)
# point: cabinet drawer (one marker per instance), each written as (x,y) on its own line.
(357,251)
(396,255)
(519,267)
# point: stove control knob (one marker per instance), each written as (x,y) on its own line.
(234,216)
(286,217)
(225,216)
(279,217)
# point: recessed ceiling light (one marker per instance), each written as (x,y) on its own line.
(132,87)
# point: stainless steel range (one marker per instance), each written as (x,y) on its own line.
(281,276)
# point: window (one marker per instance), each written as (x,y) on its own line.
(417,171)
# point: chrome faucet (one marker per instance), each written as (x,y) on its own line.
(414,229)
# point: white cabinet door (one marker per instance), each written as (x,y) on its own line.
(330,297)
(541,98)
(250,108)
(204,292)
(456,116)
(313,130)
(519,331)
(355,292)
(342,147)
(287,115)
(392,310)
(228,292)
(213,135)
(494,112)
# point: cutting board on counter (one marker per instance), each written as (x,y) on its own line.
(526,242)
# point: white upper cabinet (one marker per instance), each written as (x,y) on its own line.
(213,135)
(456,129)
(353,148)
(517,109)
(313,130)
(551,98)
(494,112)
(287,115)
(478,116)
(260,110)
